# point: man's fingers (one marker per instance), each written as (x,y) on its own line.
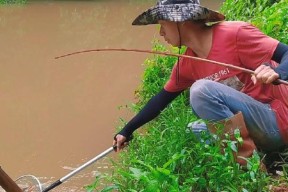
(119,141)
(253,79)
(125,144)
(269,76)
(264,74)
(260,68)
(273,77)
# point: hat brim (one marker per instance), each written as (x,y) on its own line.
(178,13)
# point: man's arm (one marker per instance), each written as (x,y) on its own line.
(151,110)
(267,74)
(281,56)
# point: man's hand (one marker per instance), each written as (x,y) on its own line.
(264,74)
(119,142)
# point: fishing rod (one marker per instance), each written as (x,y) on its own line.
(30,183)
(169,54)
(72,173)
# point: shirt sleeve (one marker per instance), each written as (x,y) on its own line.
(281,56)
(254,47)
(151,110)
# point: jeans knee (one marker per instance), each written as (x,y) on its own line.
(200,90)
(201,93)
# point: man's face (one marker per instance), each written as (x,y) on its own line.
(169,31)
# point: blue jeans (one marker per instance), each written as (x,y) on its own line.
(214,101)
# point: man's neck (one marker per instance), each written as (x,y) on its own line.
(199,39)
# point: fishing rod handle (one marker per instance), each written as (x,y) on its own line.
(52,186)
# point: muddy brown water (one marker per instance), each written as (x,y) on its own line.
(57,114)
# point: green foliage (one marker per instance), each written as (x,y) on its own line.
(269,16)
(273,21)
(95,185)
(12,1)
(244,10)
(170,158)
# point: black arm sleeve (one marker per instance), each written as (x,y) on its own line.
(280,55)
(151,110)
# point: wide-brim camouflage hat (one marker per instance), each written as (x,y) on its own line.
(177,11)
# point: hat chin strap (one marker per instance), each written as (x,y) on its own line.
(179,32)
(179,49)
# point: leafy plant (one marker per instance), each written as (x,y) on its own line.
(273,21)
(95,185)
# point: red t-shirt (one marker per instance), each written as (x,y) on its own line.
(243,45)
